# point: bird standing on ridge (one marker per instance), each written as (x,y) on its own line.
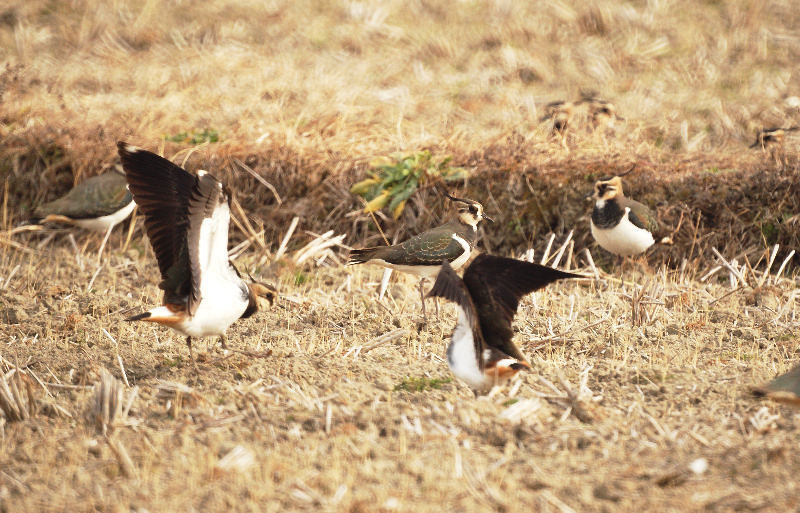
(772,136)
(619,224)
(771,140)
(96,204)
(422,254)
(186,218)
(481,351)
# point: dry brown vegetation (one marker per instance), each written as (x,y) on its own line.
(639,400)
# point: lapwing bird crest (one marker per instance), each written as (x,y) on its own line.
(619,224)
(186,217)
(97,204)
(481,351)
(423,254)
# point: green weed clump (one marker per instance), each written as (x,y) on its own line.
(206,135)
(412,384)
(394,179)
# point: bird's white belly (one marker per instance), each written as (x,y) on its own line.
(424,271)
(461,357)
(101,224)
(222,302)
(624,239)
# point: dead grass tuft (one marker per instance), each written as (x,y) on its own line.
(18,401)
(111,403)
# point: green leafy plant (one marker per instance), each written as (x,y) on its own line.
(394,179)
(770,231)
(195,137)
(300,278)
(412,384)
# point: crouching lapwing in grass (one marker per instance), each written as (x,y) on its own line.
(560,114)
(783,389)
(481,352)
(619,224)
(602,113)
(422,254)
(186,218)
(97,204)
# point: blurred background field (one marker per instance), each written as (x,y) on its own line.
(308,95)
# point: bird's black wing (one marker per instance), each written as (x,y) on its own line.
(496,284)
(451,287)
(162,191)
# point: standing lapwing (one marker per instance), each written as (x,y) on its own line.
(186,218)
(772,136)
(97,204)
(422,254)
(621,225)
(481,351)
(783,389)
(771,141)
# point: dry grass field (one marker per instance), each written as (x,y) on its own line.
(335,401)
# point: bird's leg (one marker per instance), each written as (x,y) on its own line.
(621,265)
(103,244)
(422,298)
(436,302)
(191,354)
(223,340)
(643,264)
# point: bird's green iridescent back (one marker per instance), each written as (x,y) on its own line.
(430,247)
(96,197)
(640,215)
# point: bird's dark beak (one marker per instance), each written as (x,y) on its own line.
(487,218)
(588,196)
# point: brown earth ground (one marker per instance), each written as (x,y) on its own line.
(640,395)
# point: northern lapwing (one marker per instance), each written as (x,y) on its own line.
(771,141)
(423,254)
(772,137)
(481,352)
(783,389)
(186,217)
(602,113)
(559,113)
(619,224)
(96,204)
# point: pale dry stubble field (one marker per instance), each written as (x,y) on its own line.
(333,401)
